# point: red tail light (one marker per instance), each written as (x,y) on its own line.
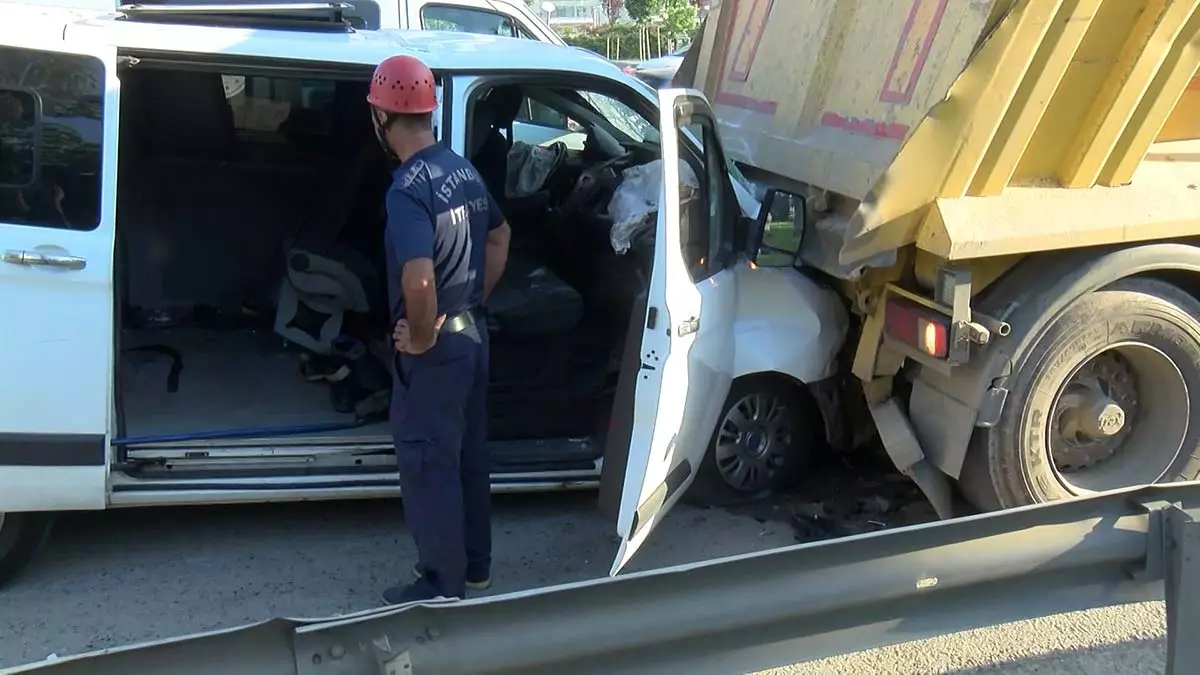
(918,327)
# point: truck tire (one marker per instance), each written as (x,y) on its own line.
(765,437)
(1101,400)
(21,537)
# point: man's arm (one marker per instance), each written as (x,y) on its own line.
(420,302)
(495,257)
(496,253)
(410,228)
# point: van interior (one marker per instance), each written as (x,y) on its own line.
(252,308)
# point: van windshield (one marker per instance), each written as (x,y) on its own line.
(622,117)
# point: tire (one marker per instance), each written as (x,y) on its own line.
(780,452)
(1058,437)
(22,535)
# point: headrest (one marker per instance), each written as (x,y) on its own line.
(481,126)
(505,103)
(498,109)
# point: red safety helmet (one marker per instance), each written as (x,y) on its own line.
(403,85)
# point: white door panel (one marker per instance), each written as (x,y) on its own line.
(56,278)
(687,345)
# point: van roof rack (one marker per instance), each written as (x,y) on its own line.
(332,16)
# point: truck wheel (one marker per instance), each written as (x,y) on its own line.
(764,438)
(1101,401)
(21,537)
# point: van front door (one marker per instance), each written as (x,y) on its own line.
(687,341)
(58,132)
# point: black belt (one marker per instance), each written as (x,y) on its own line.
(457,323)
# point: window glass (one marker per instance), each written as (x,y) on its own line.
(535,112)
(262,104)
(18,137)
(695,217)
(782,231)
(51,138)
(465,20)
(622,117)
(707,221)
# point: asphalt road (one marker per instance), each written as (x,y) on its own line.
(118,577)
(114,578)
(1126,640)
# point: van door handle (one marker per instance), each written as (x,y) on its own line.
(34,258)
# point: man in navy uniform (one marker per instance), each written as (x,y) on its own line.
(447,244)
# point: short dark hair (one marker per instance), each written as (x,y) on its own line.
(418,122)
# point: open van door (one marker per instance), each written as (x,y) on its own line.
(686,360)
(58,132)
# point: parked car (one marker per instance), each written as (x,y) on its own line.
(658,72)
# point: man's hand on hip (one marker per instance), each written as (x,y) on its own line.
(403,339)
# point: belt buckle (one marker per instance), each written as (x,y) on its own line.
(458,323)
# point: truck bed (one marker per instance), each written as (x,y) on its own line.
(880,109)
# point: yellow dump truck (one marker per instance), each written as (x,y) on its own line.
(1008,194)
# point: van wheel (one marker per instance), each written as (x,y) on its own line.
(1103,400)
(764,438)
(21,537)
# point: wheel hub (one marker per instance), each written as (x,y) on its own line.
(1094,416)
(1093,413)
(755,442)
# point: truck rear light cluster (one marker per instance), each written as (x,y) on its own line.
(918,327)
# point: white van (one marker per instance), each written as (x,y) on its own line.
(191,302)
(506,18)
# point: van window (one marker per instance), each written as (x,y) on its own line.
(51,138)
(622,117)
(707,234)
(467,20)
(536,112)
(262,104)
(18,137)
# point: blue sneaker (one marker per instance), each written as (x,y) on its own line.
(417,591)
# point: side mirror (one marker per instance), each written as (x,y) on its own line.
(778,229)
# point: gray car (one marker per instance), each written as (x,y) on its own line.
(660,71)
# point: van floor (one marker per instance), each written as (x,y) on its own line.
(229,379)
(246,379)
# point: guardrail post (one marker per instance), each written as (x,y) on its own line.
(1182,590)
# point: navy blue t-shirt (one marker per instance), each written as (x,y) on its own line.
(439,208)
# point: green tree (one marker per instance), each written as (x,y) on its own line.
(643,11)
(681,19)
(676,18)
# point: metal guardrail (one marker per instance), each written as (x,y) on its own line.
(748,612)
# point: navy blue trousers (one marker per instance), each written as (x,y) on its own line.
(439,424)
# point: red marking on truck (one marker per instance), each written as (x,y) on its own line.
(752,32)
(737,64)
(861,125)
(746,103)
(916,39)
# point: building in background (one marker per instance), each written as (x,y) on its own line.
(580,13)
